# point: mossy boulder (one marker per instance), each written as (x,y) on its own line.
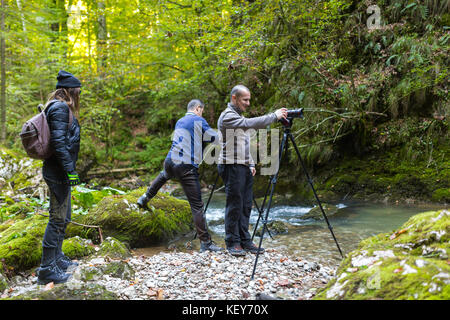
(21,243)
(409,263)
(77,247)
(114,249)
(121,218)
(70,291)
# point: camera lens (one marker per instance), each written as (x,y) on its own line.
(295,113)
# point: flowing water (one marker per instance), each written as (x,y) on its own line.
(308,238)
(311,239)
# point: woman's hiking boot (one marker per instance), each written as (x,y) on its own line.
(65,264)
(51,273)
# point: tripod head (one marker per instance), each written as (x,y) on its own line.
(291,115)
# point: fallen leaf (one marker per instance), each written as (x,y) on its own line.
(49,286)
(283,259)
(397,233)
(160,295)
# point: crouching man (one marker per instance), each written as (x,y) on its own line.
(181,163)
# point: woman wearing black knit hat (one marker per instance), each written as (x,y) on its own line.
(59,172)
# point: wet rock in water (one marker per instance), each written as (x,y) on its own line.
(316,214)
(275,227)
(410,263)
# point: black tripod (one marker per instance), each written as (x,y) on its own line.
(287,135)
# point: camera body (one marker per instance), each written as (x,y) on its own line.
(291,115)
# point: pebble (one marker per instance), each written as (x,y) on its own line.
(208,275)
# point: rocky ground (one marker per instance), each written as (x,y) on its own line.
(181,275)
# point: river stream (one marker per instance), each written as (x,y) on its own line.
(308,238)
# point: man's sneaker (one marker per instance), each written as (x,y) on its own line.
(209,246)
(52,273)
(142,202)
(252,248)
(236,251)
(65,264)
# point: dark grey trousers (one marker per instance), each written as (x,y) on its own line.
(59,217)
(239,192)
(188,176)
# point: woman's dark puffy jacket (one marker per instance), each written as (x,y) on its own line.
(65,142)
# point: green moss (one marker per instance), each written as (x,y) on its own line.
(409,263)
(77,247)
(21,244)
(113,248)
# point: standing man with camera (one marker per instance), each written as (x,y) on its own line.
(238,168)
(182,161)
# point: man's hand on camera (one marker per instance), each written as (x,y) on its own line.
(253,170)
(281,113)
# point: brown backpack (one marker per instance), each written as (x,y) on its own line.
(35,134)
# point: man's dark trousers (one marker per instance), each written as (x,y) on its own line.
(187,174)
(238,181)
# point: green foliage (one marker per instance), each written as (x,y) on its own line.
(155,56)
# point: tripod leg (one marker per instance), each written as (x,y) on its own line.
(210,195)
(209,199)
(260,212)
(314,191)
(272,183)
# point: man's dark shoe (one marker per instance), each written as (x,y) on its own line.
(142,202)
(209,246)
(65,264)
(252,248)
(52,273)
(236,251)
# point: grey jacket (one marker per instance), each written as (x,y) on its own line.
(235,136)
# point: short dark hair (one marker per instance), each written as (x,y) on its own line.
(238,90)
(195,103)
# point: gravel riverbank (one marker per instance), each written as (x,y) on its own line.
(190,276)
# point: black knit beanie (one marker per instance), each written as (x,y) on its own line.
(67,80)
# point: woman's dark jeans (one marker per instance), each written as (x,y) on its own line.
(238,181)
(59,217)
(187,174)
